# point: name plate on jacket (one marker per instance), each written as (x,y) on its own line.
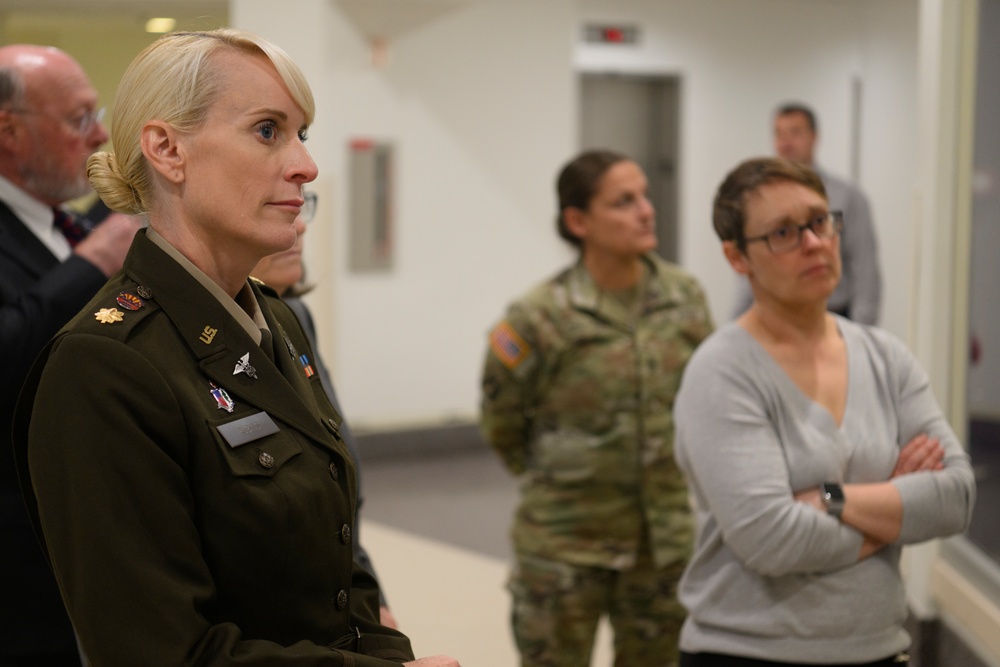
(248,429)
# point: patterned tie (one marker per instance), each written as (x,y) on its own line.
(69,226)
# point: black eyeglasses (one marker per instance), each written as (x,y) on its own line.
(309,207)
(789,237)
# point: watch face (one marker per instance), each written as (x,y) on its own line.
(833,498)
(832,492)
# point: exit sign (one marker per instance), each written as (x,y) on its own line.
(611,34)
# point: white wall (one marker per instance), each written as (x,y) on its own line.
(737,60)
(481,105)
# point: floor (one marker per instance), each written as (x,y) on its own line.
(437,510)
(435,522)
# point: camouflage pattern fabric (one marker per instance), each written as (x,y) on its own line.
(557,606)
(577,401)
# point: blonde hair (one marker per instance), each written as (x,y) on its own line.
(174,80)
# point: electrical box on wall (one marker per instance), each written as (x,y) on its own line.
(371,205)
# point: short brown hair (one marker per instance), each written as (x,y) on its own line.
(789,108)
(728,215)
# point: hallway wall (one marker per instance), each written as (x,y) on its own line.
(481,105)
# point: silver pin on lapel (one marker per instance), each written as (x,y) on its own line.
(243,366)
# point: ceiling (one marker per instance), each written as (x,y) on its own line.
(375,18)
(168,7)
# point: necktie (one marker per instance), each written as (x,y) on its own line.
(69,226)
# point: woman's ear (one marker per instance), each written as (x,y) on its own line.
(575,221)
(163,151)
(736,258)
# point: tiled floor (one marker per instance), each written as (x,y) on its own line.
(435,523)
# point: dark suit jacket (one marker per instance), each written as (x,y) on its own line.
(38,295)
(172,541)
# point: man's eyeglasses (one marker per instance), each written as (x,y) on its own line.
(88,120)
(789,237)
(309,207)
(83,124)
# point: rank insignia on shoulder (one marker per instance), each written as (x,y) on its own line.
(508,346)
(109,315)
(222,398)
(243,366)
(129,301)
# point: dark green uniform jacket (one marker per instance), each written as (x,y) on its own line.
(194,514)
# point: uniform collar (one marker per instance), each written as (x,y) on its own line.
(585,295)
(220,343)
(252,324)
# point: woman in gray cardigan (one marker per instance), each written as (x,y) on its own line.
(813,447)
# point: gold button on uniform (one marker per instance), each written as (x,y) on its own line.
(342,600)
(345,534)
(265,460)
(334,473)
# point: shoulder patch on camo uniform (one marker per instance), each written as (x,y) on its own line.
(508,346)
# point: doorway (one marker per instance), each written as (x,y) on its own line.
(983,372)
(638,115)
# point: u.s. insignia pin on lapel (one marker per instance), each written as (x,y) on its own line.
(243,366)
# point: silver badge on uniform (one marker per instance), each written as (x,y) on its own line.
(243,366)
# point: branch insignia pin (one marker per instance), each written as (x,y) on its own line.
(243,366)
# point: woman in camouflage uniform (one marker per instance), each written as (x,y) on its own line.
(578,387)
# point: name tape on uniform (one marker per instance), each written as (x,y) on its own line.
(248,429)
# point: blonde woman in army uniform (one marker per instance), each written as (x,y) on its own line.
(578,387)
(194,492)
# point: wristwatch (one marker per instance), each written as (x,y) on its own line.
(832,494)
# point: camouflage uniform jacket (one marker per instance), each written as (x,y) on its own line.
(577,399)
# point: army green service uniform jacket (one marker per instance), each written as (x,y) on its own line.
(577,399)
(195,513)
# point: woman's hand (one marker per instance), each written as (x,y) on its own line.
(919,454)
(387,619)
(433,661)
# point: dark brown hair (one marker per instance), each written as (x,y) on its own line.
(728,214)
(577,184)
(789,108)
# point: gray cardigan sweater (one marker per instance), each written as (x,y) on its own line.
(772,578)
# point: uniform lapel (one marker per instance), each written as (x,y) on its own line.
(219,342)
(285,354)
